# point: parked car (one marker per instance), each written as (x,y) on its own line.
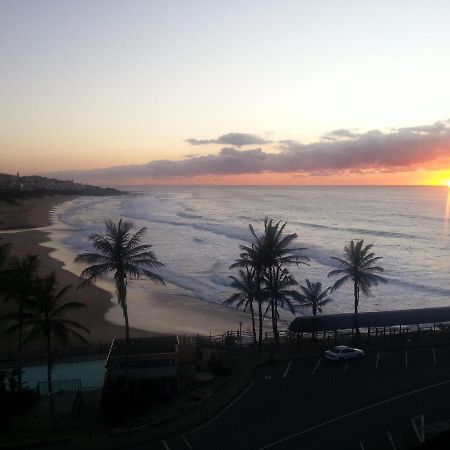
(342,352)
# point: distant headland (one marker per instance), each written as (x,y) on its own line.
(14,187)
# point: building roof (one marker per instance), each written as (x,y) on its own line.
(144,346)
(333,322)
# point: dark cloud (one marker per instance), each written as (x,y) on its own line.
(342,133)
(394,151)
(236,139)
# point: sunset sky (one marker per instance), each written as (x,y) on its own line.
(236,92)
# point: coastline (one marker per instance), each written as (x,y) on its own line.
(30,218)
(28,226)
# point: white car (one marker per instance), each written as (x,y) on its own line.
(342,352)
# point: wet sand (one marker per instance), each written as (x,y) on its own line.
(33,228)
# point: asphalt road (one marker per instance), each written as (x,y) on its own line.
(314,404)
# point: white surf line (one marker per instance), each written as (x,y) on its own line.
(287,369)
(434,355)
(316,366)
(378,359)
(356,411)
(346,367)
(188,444)
(392,440)
(406,358)
(166,445)
(224,410)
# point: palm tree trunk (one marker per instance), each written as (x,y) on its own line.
(275,322)
(122,293)
(252,312)
(314,311)
(259,300)
(356,294)
(127,338)
(19,387)
(260,324)
(273,308)
(50,382)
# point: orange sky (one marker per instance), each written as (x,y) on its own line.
(419,177)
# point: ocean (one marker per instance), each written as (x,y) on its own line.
(196,232)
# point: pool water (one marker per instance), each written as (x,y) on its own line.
(91,373)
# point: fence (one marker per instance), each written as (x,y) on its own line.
(41,354)
(234,339)
(59,386)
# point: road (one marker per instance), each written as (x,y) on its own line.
(314,404)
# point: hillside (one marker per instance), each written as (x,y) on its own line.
(15,187)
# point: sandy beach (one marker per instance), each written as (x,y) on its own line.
(32,228)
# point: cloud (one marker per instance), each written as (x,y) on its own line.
(394,151)
(236,139)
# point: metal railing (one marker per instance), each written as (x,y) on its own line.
(59,386)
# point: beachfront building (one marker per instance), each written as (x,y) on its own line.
(162,359)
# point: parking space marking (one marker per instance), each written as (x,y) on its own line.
(361,446)
(287,369)
(355,412)
(434,355)
(391,440)
(165,444)
(188,445)
(378,359)
(406,358)
(316,366)
(346,367)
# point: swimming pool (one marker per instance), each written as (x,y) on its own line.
(91,373)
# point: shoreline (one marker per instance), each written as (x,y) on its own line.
(33,228)
(30,218)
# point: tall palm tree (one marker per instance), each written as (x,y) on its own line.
(19,282)
(358,266)
(245,285)
(251,257)
(276,253)
(4,250)
(121,253)
(47,321)
(265,254)
(280,284)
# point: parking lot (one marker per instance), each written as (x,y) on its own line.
(365,404)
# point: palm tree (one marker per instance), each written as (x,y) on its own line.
(276,253)
(46,321)
(4,250)
(265,254)
(359,267)
(280,290)
(314,297)
(19,282)
(251,258)
(245,285)
(121,253)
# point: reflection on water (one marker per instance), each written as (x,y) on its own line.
(447,211)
